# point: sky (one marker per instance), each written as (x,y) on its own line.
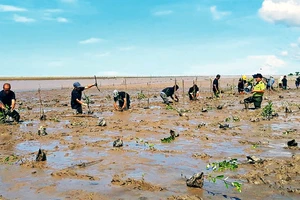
(149,37)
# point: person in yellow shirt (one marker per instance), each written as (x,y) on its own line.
(257,91)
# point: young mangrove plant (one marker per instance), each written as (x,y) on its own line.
(268,111)
(141,95)
(169,107)
(222,166)
(173,134)
(88,102)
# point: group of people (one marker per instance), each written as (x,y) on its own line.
(122,99)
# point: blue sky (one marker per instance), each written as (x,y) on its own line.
(149,37)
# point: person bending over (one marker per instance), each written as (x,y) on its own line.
(7,104)
(169,92)
(121,100)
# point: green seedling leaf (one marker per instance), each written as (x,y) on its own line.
(220,177)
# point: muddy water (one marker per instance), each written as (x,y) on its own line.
(147,168)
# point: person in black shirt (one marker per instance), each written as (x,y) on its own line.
(284,82)
(169,92)
(76,95)
(216,86)
(241,85)
(193,92)
(7,104)
(297,82)
(123,99)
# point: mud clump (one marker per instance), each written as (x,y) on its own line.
(136,184)
(224,126)
(196,180)
(102,122)
(185,197)
(174,134)
(41,156)
(292,143)
(254,159)
(71,173)
(118,143)
(42,131)
(202,156)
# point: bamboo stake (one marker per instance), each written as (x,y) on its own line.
(42,113)
(183,90)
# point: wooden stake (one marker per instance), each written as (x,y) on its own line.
(42,113)
(183,90)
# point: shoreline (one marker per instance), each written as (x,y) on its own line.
(16,78)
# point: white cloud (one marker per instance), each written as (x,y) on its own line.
(91,41)
(9,8)
(163,12)
(22,19)
(268,64)
(218,14)
(281,11)
(68,1)
(293,44)
(284,53)
(62,20)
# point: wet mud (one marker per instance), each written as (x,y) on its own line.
(83,162)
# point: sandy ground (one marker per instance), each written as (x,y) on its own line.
(83,164)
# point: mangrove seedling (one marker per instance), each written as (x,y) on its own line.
(222,166)
(88,102)
(141,95)
(169,107)
(171,138)
(268,110)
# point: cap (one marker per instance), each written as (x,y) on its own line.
(76,85)
(115,92)
(257,75)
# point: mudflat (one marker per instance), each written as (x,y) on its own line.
(83,164)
